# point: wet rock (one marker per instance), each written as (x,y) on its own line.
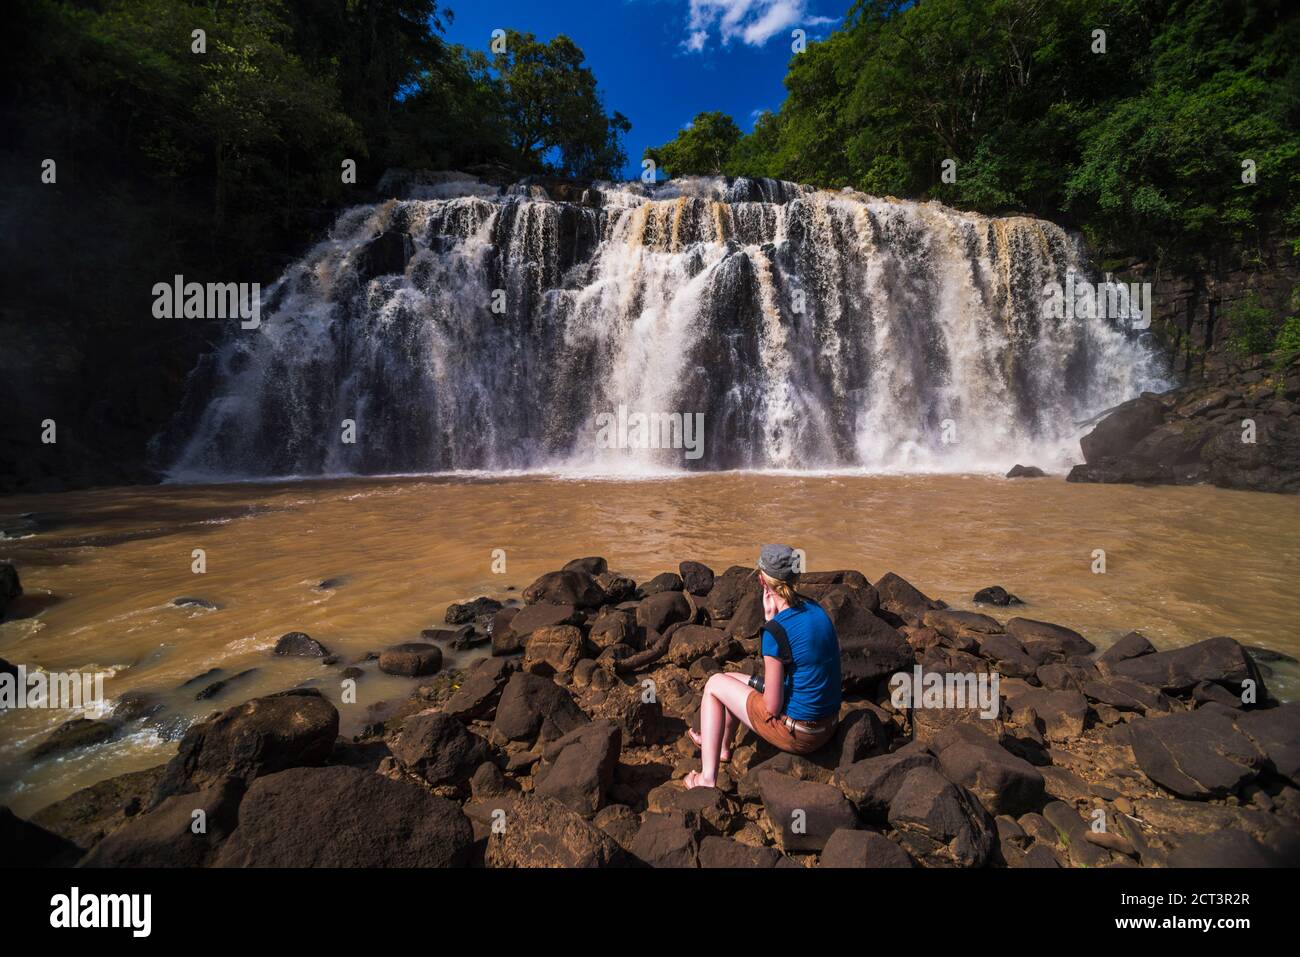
(940,823)
(219,686)
(575,588)
(135,705)
(1198,754)
(300,645)
(10,586)
(166,836)
(478,693)
(996,595)
(578,768)
(467,612)
(1221,660)
(804,814)
(1122,429)
(343,817)
(187,601)
(259,737)
(411,659)
(697,578)
(437,747)
(73,734)
(553,650)
(384,255)
(535,708)
(539,832)
(853,849)
(1025,471)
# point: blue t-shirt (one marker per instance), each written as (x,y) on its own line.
(813,690)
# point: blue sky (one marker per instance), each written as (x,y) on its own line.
(659,62)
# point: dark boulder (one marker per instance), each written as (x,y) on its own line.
(658,612)
(1025,471)
(553,650)
(697,578)
(727,591)
(668,581)
(510,632)
(467,612)
(411,659)
(578,769)
(1132,645)
(902,600)
(185,830)
(478,693)
(593,566)
(1221,660)
(1122,429)
(298,644)
(344,817)
(10,586)
(575,588)
(1048,642)
(996,595)
(1276,733)
(725,852)
(539,832)
(941,823)
(665,840)
(804,814)
(73,734)
(437,747)
(1004,783)
(535,708)
(1197,754)
(24,844)
(852,849)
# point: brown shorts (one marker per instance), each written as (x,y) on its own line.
(777,732)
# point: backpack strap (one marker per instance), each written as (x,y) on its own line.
(777,631)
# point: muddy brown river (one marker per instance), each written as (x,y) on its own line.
(101,569)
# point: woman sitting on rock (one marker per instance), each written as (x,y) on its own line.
(795,704)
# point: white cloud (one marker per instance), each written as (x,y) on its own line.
(752,22)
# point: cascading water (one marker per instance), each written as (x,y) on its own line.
(466,327)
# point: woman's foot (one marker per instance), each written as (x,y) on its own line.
(696,780)
(724,755)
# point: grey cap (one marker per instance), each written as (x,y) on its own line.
(777,561)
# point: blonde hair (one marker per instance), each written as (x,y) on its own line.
(784,590)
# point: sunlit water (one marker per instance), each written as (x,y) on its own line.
(101,567)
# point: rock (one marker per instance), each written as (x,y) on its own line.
(1039,856)
(24,844)
(467,612)
(219,686)
(412,659)
(165,836)
(709,807)
(1063,715)
(1074,832)
(511,633)
(851,848)
(1228,849)
(436,747)
(1004,783)
(578,768)
(613,626)
(1048,642)
(72,734)
(575,588)
(668,581)
(696,641)
(696,577)
(1008,654)
(135,705)
(344,817)
(478,693)
(1061,676)
(1025,471)
(1221,660)
(487,782)
(804,814)
(996,595)
(640,721)
(725,852)
(860,735)
(188,601)
(940,823)
(952,624)
(300,645)
(86,816)
(10,586)
(539,832)
(1122,429)
(1125,694)
(1198,754)
(658,612)
(259,737)
(594,566)
(872,655)
(1132,645)
(617,588)
(385,255)
(532,708)
(620,822)
(553,650)
(906,603)
(1276,733)
(665,840)
(728,589)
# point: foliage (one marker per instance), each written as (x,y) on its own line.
(700,149)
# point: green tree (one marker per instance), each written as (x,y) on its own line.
(703,148)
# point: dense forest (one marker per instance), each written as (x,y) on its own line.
(1160,127)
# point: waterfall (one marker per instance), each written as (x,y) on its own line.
(463,326)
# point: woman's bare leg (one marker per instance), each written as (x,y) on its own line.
(723,698)
(729,725)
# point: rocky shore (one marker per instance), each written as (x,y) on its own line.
(1238,428)
(565,747)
